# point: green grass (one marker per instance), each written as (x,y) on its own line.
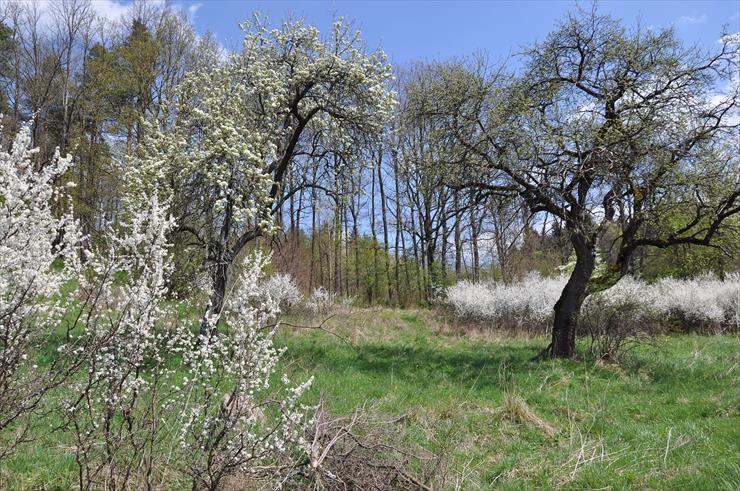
(666,418)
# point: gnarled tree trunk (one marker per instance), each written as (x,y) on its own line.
(569,304)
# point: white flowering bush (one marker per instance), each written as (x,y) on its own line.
(216,409)
(145,398)
(619,318)
(115,411)
(240,421)
(38,257)
(283,289)
(729,299)
(628,313)
(701,304)
(321,301)
(527,304)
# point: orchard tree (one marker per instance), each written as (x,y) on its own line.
(608,130)
(241,126)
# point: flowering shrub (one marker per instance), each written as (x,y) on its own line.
(527,304)
(704,303)
(321,301)
(234,424)
(115,411)
(38,256)
(729,298)
(126,403)
(618,319)
(283,290)
(224,416)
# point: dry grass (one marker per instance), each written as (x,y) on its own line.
(515,408)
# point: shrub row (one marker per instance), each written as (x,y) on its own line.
(705,304)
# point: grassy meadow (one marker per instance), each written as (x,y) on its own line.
(666,417)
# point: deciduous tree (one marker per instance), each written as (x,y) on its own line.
(605,129)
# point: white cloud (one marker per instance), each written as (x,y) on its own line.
(691,19)
(193,9)
(111,10)
(187,9)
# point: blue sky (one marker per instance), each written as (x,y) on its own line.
(424,30)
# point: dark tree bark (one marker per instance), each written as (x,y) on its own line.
(355,211)
(569,304)
(220,276)
(346,270)
(458,236)
(474,229)
(337,287)
(312,274)
(399,233)
(383,213)
(443,253)
(429,246)
(376,275)
(291,203)
(220,279)
(417,257)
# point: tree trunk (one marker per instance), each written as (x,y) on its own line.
(429,246)
(220,277)
(291,206)
(376,275)
(383,213)
(417,258)
(443,263)
(406,272)
(337,288)
(458,237)
(568,306)
(312,275)
(356,190)
(399,234)
(216,304)
(298,213)
(345,220)
(474,229)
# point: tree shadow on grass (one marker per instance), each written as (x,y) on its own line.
(484,366)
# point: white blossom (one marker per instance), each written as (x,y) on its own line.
(38,257)
(283,289)
(698,303)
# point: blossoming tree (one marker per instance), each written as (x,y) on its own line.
(242,126)
(125,404)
